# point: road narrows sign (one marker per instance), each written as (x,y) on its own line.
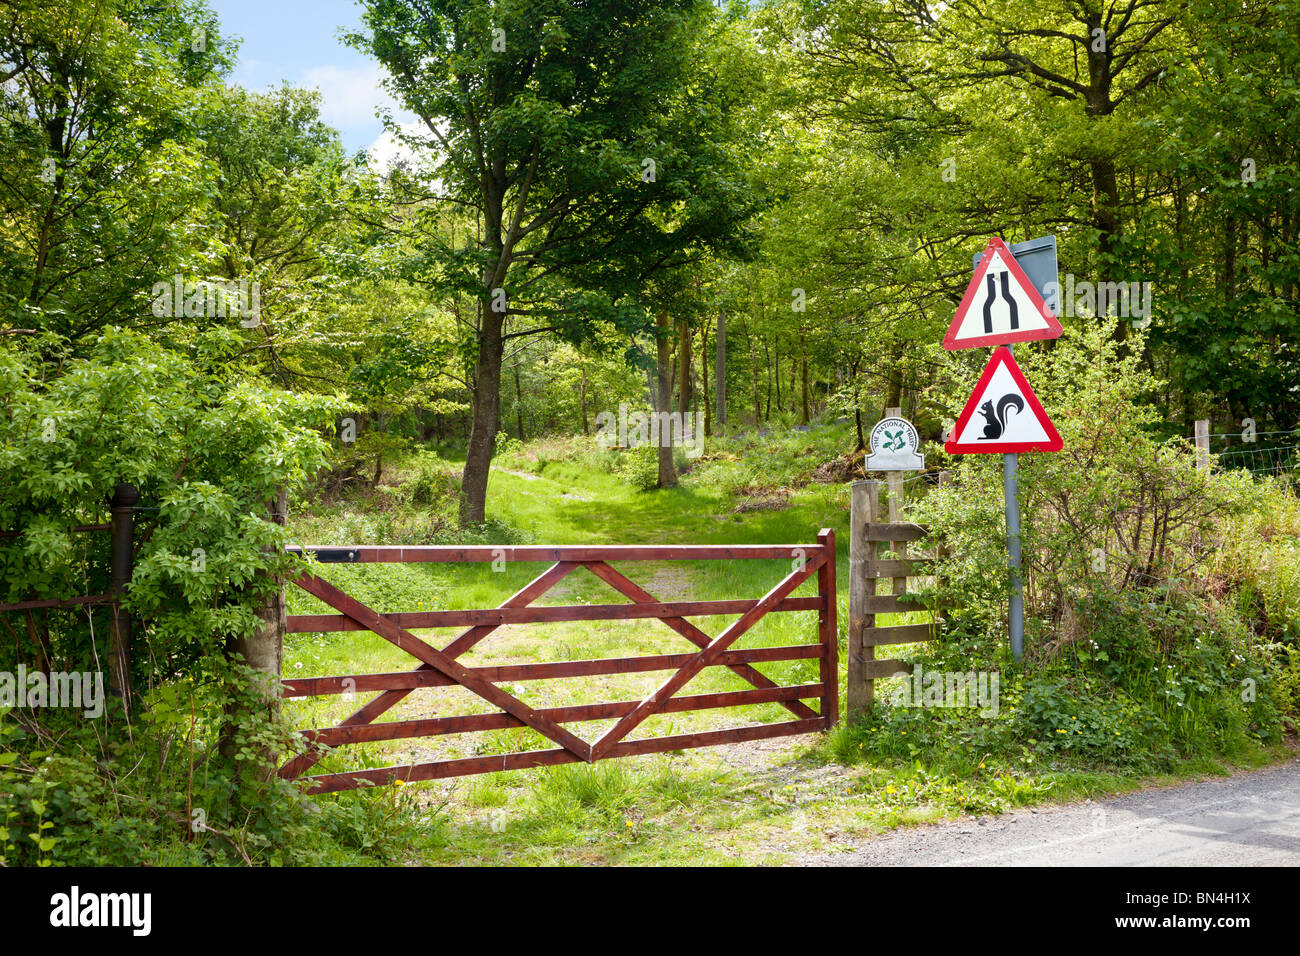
(1000,306)
(1010,417)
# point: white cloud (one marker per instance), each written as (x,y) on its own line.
(387,149)
(349,95)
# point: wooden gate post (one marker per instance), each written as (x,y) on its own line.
(122,552)
(263,651)
(864,503)
(828,628)
(898,585)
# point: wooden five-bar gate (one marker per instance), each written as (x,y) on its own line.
(440,667)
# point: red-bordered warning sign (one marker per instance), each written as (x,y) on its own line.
(1010,418)
(1000,306)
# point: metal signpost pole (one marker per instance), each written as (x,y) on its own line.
(1010,488)
(1029,279)
(1011,491)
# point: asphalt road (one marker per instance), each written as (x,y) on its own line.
(1251,819)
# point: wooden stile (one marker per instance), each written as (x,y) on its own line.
(871,532)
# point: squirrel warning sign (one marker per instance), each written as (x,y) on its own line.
(1002,414)
(1001,305)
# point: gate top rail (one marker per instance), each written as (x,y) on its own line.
(404,554)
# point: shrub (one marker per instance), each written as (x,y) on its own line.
(508,447)
(432,485)
(639,467)
(1157,620)
(1114,511)
(208,456)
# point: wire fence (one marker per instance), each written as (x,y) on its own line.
(1265,453)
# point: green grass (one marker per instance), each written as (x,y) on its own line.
(727,805)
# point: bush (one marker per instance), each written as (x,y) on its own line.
(507,447)
(432,484)
(1114,511)
(1160,600)
(208,456)
(639,467)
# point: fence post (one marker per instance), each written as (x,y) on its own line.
(263,651)
(121,528)
(1202,444)
(266,652)
(896,501)
(863,503)
(894,482)
(829,630)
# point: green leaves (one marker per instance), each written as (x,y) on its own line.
(207,456)
(99,191)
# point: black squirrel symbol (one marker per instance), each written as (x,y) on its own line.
(996,422)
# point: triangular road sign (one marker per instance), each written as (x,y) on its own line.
(1000,306)
(1010,419)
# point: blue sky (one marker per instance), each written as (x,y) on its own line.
(298,41)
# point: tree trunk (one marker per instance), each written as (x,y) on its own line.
(776,376)
(667,472)
(1105,201)
(704,377)
(720,386)
(484,420)
(684,371)
(263,651)
(803,371)
(794,370)
(857,404)
(1105,185)
(582,402)
(894,399)
(652,385)
(519,405)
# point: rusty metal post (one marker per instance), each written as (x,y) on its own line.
(121,530)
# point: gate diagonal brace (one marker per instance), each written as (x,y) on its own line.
(404,639)
(390,698)
(756,678)
(655,701)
